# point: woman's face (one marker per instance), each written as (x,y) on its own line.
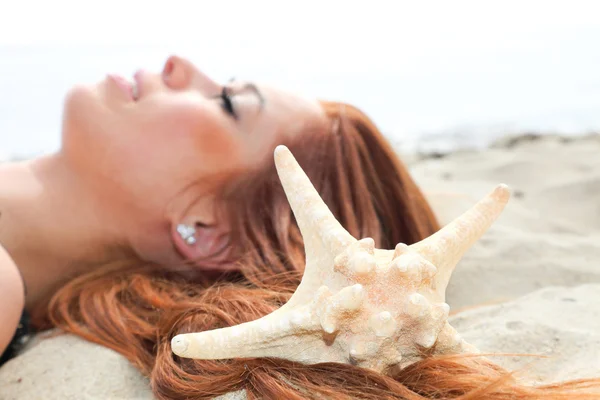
(153,152)
(176,129)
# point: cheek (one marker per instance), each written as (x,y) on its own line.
(183,140)
(151,148)
(201,133)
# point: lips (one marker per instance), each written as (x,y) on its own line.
(128,88)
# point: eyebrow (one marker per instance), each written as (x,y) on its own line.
(251,87)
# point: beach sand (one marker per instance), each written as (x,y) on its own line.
(538,267)
(530,285)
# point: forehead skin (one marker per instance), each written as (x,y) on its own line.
(280,117)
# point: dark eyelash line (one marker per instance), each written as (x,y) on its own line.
(227,105)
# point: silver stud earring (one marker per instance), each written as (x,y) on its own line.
(187,233)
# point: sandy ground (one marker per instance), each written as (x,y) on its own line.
(531,285)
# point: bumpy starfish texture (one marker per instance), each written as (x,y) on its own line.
(356,304)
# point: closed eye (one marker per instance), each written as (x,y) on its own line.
(226,103)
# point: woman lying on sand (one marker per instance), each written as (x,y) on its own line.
(162,213)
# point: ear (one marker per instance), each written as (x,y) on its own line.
(195,240)
(197,233)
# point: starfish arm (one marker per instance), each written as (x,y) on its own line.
(445,248)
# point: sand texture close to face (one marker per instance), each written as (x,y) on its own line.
(531,285)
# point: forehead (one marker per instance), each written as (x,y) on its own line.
(290,102)
(286,112)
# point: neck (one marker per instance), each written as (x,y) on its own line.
(52,225)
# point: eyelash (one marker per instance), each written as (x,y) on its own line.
(226,103)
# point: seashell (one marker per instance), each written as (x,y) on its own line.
(356,304)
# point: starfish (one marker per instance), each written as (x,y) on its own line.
(355,304)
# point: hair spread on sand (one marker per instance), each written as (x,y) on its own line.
(136,309)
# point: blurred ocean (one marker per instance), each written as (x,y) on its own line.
(432,79)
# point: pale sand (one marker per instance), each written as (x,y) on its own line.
(538,267)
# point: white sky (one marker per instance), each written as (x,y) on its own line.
(319,22)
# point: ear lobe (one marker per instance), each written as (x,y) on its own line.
(196,242)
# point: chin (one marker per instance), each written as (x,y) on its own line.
(83,116)
(79,98)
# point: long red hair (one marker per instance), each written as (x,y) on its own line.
(135,308)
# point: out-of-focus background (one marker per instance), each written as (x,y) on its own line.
(433,75)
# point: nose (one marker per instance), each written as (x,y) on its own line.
(180,73)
